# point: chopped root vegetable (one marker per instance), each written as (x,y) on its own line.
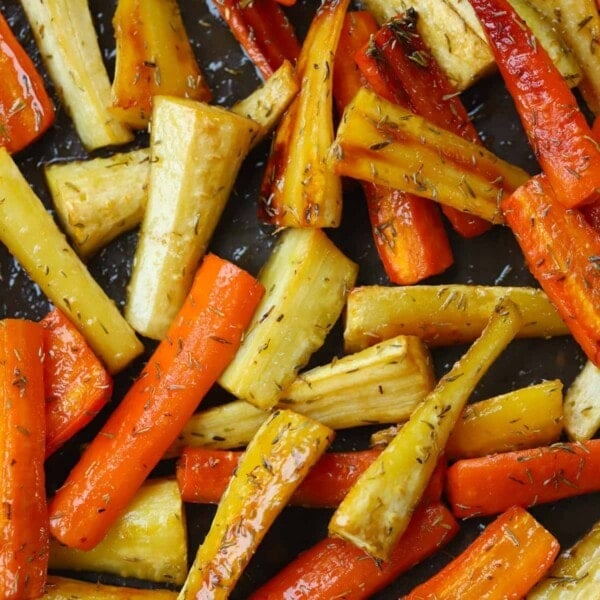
(377,509)
(24,531)
(562,251)
(76,383)
(335,568)
(490,484)
(582,404)
(504,562)
(275,462)
(556,128)
(26,110)
(263,30)
(200,343)
(63,588)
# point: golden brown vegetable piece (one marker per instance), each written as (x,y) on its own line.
(63,588)
(582,404)
(154,57)
(378,508)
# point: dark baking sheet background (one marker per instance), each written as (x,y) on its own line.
(491,259)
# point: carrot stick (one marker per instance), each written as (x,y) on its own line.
(26,110)
(24,533)
(399,66)
(504,562)
(200,343)
(408,231)
(562,251)
(490,484)
(556,128)
(335,568)
(76,383)
(263,30)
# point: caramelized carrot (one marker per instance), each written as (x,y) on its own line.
(263,30)
(504,562)
(408,231)
(562,251)
(200,343)
(556,128)
(335,568)
(26,110)
(24,531)
(399,66)
(203,475)
(76,383)
(490,484)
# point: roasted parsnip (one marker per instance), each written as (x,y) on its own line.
(96,200)
(378,508)
(306,280)
(279,456)
(462,54)
(386,144)
(32,236)
(66,37)
(579,23)
(381,384)
(582,404)
(153,57)
(441,315)
(298,189)
(63,588)
(523,418)
(575,574)
(196,151)
(154,519)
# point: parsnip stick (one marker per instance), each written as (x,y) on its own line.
(196,151)
(34,239)
(582,404)
(64,588)
(441,315)
(66,37)
(378,507)
(386,144)
(381,384)
(278,458)
(306,280)
(154,519)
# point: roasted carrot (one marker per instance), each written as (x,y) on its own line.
(562,251)
(335,568)
(200,343)
(556,128)
(400,67)
(504,562)
(490,484)
(24,532)
(26,110)
(76,383)
(263,30)
(203,474)
(408,231)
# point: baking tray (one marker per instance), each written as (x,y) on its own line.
(494,258)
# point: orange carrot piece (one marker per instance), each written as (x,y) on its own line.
(203,475)
(562,251)
(335,568)
(399,66)
(26,110)
(408,231)
(76,383)
(263,30)
(24,531)
(200,343)
(557,130)
(490,484)
(504,562)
